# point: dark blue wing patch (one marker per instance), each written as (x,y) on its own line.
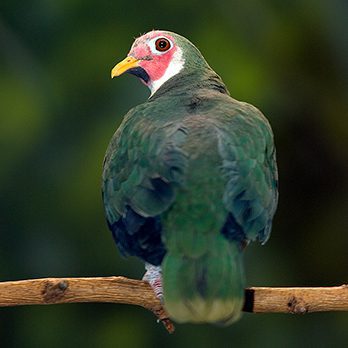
(139,236)
(232,231)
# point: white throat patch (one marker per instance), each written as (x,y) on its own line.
(174,67)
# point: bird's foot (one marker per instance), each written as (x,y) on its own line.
(153,276)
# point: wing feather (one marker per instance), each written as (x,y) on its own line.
(142,169)
(246,146)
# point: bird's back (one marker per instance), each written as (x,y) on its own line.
(202,269)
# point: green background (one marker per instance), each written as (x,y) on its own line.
(59,109)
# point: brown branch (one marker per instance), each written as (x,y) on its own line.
(72,290)
(296,300)
(137,292)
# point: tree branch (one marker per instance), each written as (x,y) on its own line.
(138,292)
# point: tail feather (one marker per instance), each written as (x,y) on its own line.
(205,289)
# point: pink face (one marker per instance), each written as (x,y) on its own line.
(155,51)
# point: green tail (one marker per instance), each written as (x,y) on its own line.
(209,288)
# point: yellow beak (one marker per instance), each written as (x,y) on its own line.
(126,64)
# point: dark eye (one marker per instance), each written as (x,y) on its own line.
(162,44)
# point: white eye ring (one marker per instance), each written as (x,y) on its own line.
(153,48)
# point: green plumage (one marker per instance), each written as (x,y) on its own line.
(215,159)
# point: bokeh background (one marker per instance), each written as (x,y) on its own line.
(59,108)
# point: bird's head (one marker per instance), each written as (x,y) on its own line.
(157,56)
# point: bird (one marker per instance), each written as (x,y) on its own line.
(189,179)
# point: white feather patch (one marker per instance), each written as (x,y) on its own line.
(174,67)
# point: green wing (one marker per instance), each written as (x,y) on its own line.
(249,165)
(141,155)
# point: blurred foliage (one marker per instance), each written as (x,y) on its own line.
(59,108)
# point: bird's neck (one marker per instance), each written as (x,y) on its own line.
(191,80)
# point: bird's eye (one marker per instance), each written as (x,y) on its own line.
(162,44)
